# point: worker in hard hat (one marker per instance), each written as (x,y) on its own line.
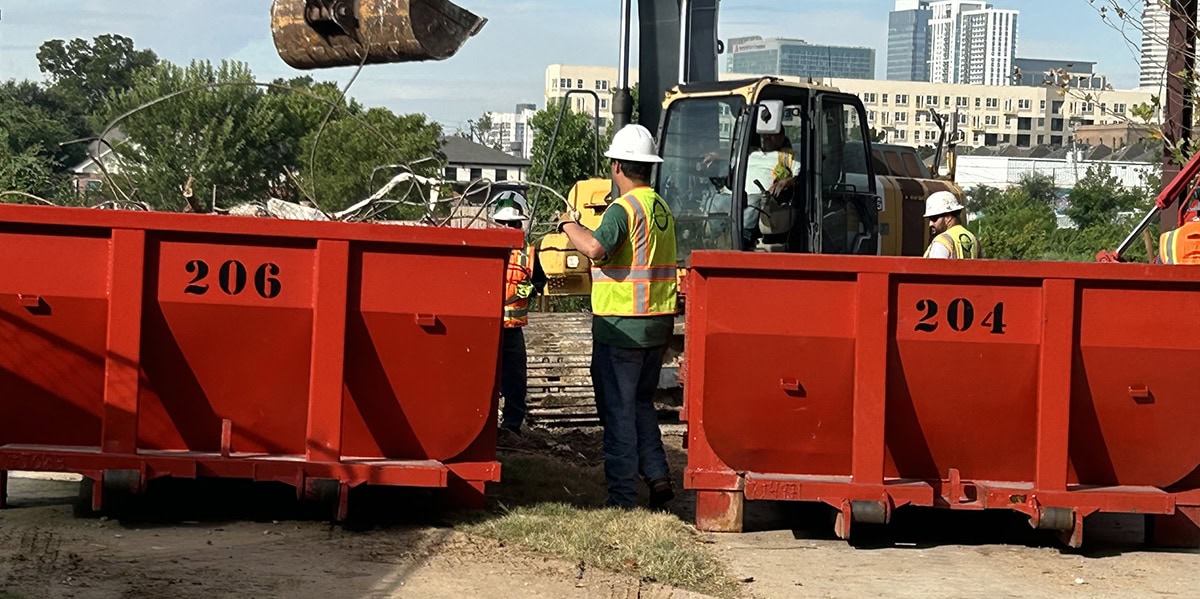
(524,279)
(634,291)
(951,239)
(1182,245)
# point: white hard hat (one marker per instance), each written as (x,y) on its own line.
(510,206)
(633,143)
(941,202)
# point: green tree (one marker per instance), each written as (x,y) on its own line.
(220,134)
(1015,227)
(979,198)
(1099,197)
(1039,186)
(88,72)
(483,131)
(349,152)
(39,119)
(302,105)
(574,156)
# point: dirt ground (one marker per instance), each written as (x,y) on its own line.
(238,550)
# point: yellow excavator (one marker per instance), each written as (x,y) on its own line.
(849,196)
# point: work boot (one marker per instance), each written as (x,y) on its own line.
(660,493)
(509,438)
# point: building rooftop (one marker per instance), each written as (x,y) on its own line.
(460,150)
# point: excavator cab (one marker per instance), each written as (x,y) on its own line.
(764,165)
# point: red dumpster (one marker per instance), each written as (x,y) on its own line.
(870,383)
(138,345)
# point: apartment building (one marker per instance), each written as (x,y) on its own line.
(988,115)
(562,80)
(512,131)
(971,42)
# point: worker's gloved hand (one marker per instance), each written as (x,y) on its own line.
(570,216)
(524,289)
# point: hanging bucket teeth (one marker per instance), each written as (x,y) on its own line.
(319,34)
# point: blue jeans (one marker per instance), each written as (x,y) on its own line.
(625,381)
(513,378)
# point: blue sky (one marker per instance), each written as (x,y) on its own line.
(505,63)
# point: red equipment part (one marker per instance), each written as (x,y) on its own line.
(871,383)
(1184,181)
(138,345)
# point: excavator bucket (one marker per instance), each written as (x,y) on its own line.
(318,34)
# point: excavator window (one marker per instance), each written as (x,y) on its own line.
(847,190)
(696,147)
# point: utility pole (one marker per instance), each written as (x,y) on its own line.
(1181,58)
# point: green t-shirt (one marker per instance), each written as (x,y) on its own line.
(626,331)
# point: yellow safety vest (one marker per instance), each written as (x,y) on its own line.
(961,243)
(783,168)
(1180,246)
(638,279)
(516,309)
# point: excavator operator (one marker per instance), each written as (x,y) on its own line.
(771,170)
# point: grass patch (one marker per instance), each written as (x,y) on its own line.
(553,507)
(9,595)
(652,545)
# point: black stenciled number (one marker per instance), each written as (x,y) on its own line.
(265,282)
(235,270)
(961,315)
(200,269)
(232,278)
(996,320)
(930,308)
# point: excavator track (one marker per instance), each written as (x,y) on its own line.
(559,380)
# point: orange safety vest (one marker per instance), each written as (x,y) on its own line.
(1181,246)
(516,309)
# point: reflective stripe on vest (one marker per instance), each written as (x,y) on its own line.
(959,240)
(639,278)
(516,310)
(1182,245)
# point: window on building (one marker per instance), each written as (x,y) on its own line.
(554,84)
(1024,104)
(993,102)
(961,101)
(978,102)
(1043,109)
(603,103)
(931,100)
(476,174)
(885,96)
(450,174)
(1119,109)
(501,174)
(580,81)
(901,117)
(902,99)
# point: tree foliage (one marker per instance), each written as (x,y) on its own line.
(349,153)
(1098,198)
(88,72)
(574,152)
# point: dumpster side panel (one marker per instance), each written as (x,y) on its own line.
(1135,404)
(779,361)
(53,314)
(962,378)
(423,343)
(227,335)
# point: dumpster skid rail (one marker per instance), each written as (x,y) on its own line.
(325,355)
(871,383)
